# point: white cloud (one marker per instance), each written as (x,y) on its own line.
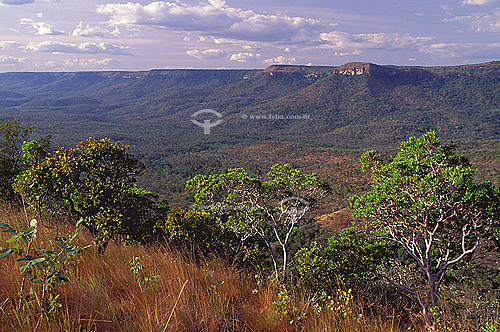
(72,63)
(213,18)
(11,59)
(224,41)
(209,54)
(88,31)
(84,48)
(481,22)
(479,2)
(15,2)
(345,43)
(244,57)
(178,16)
(235,42)
(274,28)
(79,64)
(447,9)
(5,45)
(280,60)
(474,51)
(41,28)
(51,64)
(116,32)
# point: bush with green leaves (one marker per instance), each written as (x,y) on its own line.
(16,153)
(140,211)
(95,182)
(472,289)
(136,268)
(346,260)
(196,231)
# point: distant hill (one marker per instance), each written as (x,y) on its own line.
(296,114)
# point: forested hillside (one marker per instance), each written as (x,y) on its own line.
(336,112)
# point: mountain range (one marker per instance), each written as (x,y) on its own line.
(317,118)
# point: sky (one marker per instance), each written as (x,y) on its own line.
(70,35)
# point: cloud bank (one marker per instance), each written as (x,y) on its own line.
(280,60)
(474,51)
(213,18)
(84,48)
(210,54)
(88,31)
(244,57)
(5,45)
(347,43)
(10,59)
(479,2)
(481,22)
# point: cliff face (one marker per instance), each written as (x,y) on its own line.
(355,68)
(298,71)
(378,71)
(349,69)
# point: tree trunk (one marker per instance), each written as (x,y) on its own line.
(433,292)
(428,317)
(101,249)
(273,256)
(432,302)
(285,262)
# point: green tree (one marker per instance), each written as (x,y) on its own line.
(35,152)
(13,149)
(268,209)
(93,180)
(425,200)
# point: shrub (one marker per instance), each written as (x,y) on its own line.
(347,258)
(195,230)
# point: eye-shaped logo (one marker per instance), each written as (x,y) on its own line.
(206,124)
(294,206)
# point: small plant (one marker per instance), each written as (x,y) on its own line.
(39,265)
(214,287)
(342,305)
(494,327)
(287,310)
(136,269)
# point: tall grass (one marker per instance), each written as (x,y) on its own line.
(181,295)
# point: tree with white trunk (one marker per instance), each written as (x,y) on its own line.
(425,200)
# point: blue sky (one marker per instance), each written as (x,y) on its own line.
(69,35)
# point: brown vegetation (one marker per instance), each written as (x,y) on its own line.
(172,293)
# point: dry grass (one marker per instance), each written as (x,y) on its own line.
(104,295)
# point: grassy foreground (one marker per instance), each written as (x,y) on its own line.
(169,293)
